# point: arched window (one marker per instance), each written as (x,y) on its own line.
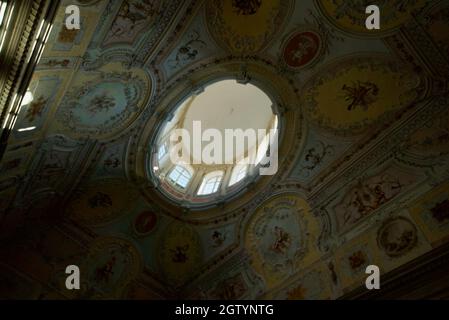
(162,151)
(275,123)
(180,176)
(238,173)
(262,149)
(264,145)
(210,183)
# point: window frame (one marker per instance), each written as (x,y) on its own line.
(160,156)
(183,172)
(218,176)
(236,172)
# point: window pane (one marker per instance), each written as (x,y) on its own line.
(239,172)
(242,174)
(174,174)
(162,151)
(210,185)
(183,181)
(180,176)
(262,149)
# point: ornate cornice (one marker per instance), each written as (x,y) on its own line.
(416,279)
(19,57)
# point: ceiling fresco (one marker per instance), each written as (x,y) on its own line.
(246,27)
(334,100)
(363,157)
(347,15)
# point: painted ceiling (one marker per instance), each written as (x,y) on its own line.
(363,175)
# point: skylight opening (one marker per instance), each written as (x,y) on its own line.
(206,148)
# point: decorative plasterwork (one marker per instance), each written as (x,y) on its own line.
(289,118)
(16,73)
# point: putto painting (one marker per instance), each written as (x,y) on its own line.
(276,237)
(179,253)
(368,195)
(101,103)
(35,109)
(110,265)
(397,236)
(132,19)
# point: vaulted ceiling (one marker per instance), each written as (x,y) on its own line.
(362,178)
